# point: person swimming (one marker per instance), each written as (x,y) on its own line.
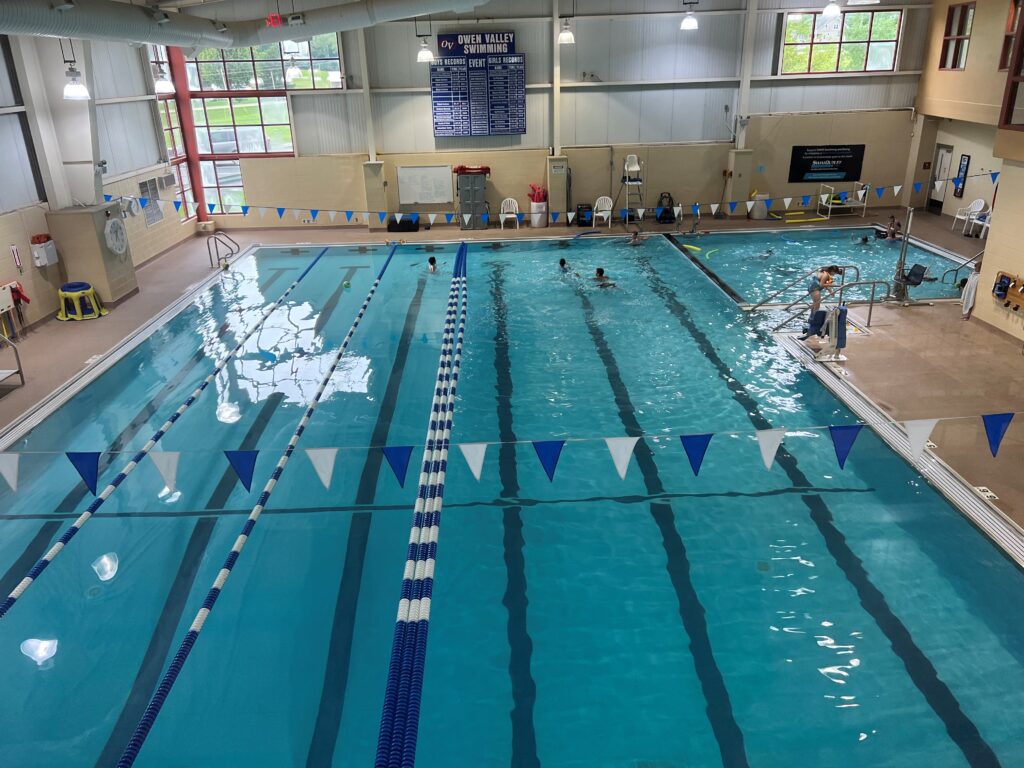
(602,280)
(634,237)
(767,253)
(563,265)
(432,264)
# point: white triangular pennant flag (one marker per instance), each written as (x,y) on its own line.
(398,217)
(824,198)
(640,212)
(860,194)
(750,204)
(938,185)
(896,189)
(466,217)
(166,463)
(503,216)
(918,432)
(678,211)
(331,215)
(714,208)
(786,201)
(263,212)
(769,440)
(322,460)
(621,449)
(473,453)
(296,214)
(160,204)
(431,218)
(570,215)
(9,469)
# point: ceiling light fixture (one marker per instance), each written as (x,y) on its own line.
(831,10)
(565,36)
(689,21)
(161,81)
(74,88)
(292,71)
(424,55)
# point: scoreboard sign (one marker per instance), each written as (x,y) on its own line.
(478,85)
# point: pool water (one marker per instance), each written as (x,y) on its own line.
(802,615)
(757,264)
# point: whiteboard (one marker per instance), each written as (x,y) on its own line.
(425,184)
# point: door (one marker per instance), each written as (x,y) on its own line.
(940,171)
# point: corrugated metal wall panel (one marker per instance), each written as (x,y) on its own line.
(117,70)
(829,94)
(915,38)
(766,37)
(329,123)
(127,136)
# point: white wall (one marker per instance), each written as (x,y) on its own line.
(977,141)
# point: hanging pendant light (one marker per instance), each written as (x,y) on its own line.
(689,21)
(566,37)
(831,10)
(292,72)
(161,81)
(425,55)
(74,88)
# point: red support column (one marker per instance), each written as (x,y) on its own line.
(183,98)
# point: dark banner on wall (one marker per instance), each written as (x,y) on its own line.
(478,85)
(829,162)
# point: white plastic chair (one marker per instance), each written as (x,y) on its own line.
(968,213)
(602,209)
(631,170)
(509,206)
(984,220)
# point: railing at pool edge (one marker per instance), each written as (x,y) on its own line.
(146,722)
(108,491)
(396,745)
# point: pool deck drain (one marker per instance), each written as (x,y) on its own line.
(973,502)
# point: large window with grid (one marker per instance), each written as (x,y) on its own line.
(857,41)
(170,123)
(290,65)
(222,183)
(242,125)
(1012,115)
(1012,21)
(957,36)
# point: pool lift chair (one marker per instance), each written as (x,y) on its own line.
(633,184)
(829,323)
(904,278)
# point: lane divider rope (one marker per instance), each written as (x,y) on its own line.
(396,744)
(145,725)
(98,502)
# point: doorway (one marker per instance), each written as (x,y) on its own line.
(940,171)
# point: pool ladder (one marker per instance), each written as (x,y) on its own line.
(768,301)
(18,370)
(839,299)
(955,271)
(217,241)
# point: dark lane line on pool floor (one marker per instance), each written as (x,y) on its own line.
(332,302)
(177,597)
(339,651)
(41,542)
(275,276)
(514,501)
(940,698)
(524,688)
(691,611)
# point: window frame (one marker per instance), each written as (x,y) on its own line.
(203,124)
(1014,90)
(960,40)
(20,112)
(867,42)
(195,68)
(1012,23)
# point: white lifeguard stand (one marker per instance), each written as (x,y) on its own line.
(632,183)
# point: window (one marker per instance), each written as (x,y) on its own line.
(1012,116)
(184,183)
(959,19)
(222,182)
(172,128)
(149,190)
(859,41)
(21,185)
(291,65)
(242,125)
(1011,29)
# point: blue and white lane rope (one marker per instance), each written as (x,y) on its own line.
(131,751)
(105,494)
(400,717)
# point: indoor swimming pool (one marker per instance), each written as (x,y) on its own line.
(757,264)
(801,615)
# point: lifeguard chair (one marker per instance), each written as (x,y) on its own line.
(633,184)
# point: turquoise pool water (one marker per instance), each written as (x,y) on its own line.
(803,615)
(757,264)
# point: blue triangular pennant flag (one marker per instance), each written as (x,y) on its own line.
(548,452)
(88,466)
(398,459)
(695,446)
(415,217)
(996,425)
(768,202)
(245,210)
(732,206)
(107,198)
(843,196)
(696,209)
(658,211)
(484,217)
(143,201)
(382,215)
(448,217)
(624,214)
(314,212)
(842,440)
(177,205)
(520,216)
(879,191)
(805,200)
(244,464)
(348,215)
(280,212)
(554,216)
(917,186)
(211,206)
(994,175)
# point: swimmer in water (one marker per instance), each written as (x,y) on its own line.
(563,265)
(766,254)
(432,264)
(634,237)
(602,280)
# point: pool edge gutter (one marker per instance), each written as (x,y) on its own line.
(991,521)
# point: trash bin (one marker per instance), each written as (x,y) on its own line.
(760,209)
(538,214)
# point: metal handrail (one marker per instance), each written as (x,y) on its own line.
(17,357)
(235,247)
(214,243)
(843,267)
(871,301)
(956,270)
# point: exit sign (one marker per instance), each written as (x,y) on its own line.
(273,19)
